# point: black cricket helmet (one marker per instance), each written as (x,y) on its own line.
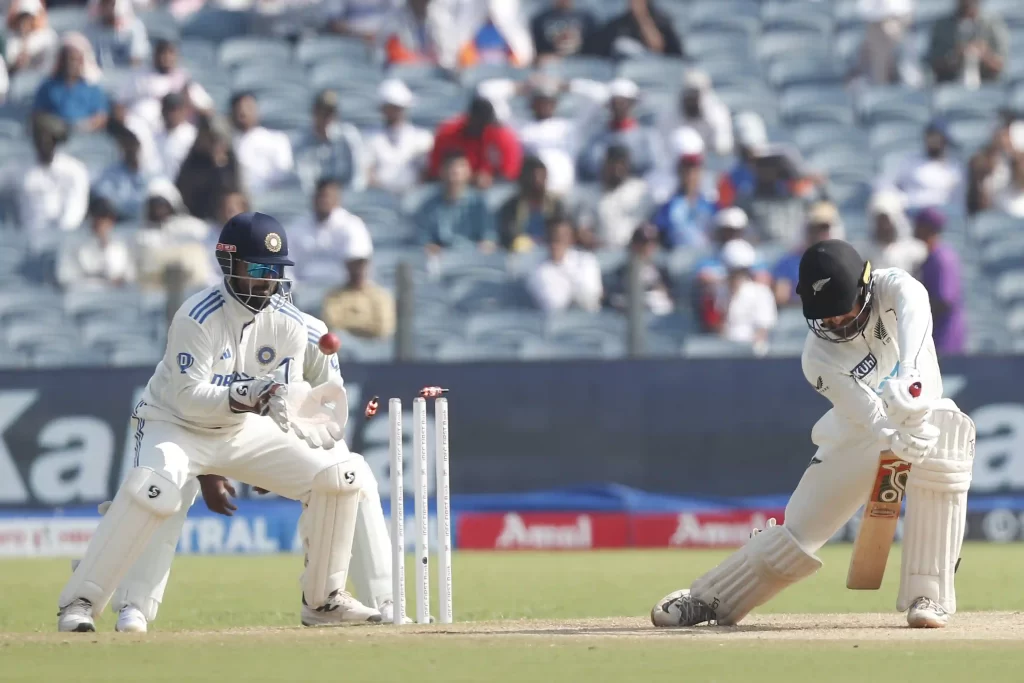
(834,279)
(253,253)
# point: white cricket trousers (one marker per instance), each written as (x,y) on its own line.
(161,442)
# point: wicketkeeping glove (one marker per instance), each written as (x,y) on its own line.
(252,395)
(317,416)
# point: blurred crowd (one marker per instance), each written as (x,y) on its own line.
(606,174)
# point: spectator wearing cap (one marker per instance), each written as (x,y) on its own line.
(654,279)
(419,33)
(96,259)
(71,93)
(264,155)
(710,271)
(641,29)
(176,136)
(988,173)
(53,192)
(932,179)
(523,219)
(491,148)
(497,34)
(562,30)
(968,46)
(324,232)
(822,223)
(117,35)
(624,203)
(685,220)
(457,215)
(745,308)
(622,129)
(359,18)
(31,43)
(331,148)
(397,152)
(210,170)
(124,184)
(361,307)
(893,244)
(170,237)
(701,109)
(881,59)
(144,93)
(569,277)
(941,276)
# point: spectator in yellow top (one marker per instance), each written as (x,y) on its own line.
(361,307)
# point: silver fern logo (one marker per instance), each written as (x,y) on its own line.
(818,285)
(881,334)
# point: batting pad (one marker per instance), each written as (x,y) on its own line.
(332,509)
(753,575)
(144,501)
(936,515)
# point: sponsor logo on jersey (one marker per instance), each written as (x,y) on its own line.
(226,355)
(865,367)
(266,355)
(185,361)
(228,379)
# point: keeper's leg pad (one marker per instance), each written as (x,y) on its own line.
(753,575)
(331,523)
(936,516)
(144,501)
(371,551)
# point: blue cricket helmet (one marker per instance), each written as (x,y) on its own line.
(255,238)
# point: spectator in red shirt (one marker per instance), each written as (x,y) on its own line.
(491,148)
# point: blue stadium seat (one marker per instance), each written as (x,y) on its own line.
(327,270)
(744,26)
(710,346)
(521,324)
(972,134)
(1009,287)
(216,25)
(798,19)
(95,150)
(788,72)
(574,322)
(541,349)
(660,346)
(654,72)
(1003,255)
(994,225)
(772,46)
(25,335)
(107,303)
(814,135)
(594,68)
(273,75)
(1015,321)
(64,19)
(160,24)
(429,111)
(63,357)
(309,295)
(198,51)
(474,75)
(704,10)
(718,45)
(135,356)
(927,11)
(885,134)
(455,351)
(365,350)
(950,99)
(339,74)
(284,203)
(894,103)
(23,86)
(312,50)
(473,295)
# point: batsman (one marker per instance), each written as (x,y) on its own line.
(870,353)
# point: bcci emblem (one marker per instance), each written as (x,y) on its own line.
(266,355)
(273,242)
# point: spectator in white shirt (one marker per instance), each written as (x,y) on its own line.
(748,307)
(324,234)
(702,110)
(145,91)
(32,45)
(171,237)
(177,136)
(569,277)
(625,203)
(53,194)
(397,153)
(1011,199)
(96,258)
(893,242)
(117,35)
(264,155)
(331,148)
(932,179)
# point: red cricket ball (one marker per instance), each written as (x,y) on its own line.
(329,344)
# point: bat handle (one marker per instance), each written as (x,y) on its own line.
(915,389)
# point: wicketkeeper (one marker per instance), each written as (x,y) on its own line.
(870,341)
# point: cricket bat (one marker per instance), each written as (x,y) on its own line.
(878,526)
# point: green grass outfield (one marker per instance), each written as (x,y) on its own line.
(523,616)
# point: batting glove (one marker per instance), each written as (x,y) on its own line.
(914,444)
(903,409)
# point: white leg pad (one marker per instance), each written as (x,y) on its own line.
(144,501)
(936,517)
(754,574)
(371,551)
(331,512)
(144,585)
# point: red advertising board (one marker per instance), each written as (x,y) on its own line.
(584,530)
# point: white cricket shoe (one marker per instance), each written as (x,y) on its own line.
(926,613)
(340,608)
(76,617)
(387,613)
(681,609)
(131,620)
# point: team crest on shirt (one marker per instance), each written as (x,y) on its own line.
(273,242)
(882,334)
(266,355)
(185,361)
(865,367)
(819,386)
